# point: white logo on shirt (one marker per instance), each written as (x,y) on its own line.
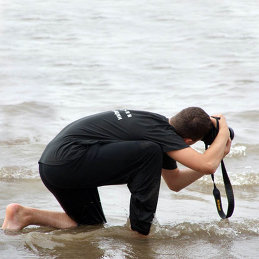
(118,115)
(128,113)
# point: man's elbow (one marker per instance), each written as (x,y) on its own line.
(175,188)
(209,168)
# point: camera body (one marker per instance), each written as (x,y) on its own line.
(209,138)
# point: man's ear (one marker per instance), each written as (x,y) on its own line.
(189,141)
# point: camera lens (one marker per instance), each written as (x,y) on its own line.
(231,131)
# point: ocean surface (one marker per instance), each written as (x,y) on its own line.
(62,60)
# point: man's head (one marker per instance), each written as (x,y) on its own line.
(192,123)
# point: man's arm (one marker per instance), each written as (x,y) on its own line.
(178,179)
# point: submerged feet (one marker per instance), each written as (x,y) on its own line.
(16,217)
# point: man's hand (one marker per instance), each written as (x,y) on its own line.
(222,123)
(223,127)
(228,146)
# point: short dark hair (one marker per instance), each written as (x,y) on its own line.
(192,122)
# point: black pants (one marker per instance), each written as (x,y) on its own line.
(135,163)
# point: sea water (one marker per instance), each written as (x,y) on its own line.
(62,60)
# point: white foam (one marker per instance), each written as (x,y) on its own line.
(237,151)
(216,229)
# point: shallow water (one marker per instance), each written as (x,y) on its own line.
(60,61)
(186,226)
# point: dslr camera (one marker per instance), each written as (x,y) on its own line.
(209,138)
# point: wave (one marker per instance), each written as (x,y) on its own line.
(245,115)
(42,239)
(16,141)
(34,108)
(244,179)
(237,150)
(8,173)
(216,229)
(241,179)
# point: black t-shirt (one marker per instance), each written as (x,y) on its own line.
(109,127)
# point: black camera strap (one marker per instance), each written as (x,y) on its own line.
(229,193)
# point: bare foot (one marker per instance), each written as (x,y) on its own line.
(15,217)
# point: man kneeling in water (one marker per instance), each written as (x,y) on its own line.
(121,147)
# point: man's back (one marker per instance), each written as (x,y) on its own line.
(110,127)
